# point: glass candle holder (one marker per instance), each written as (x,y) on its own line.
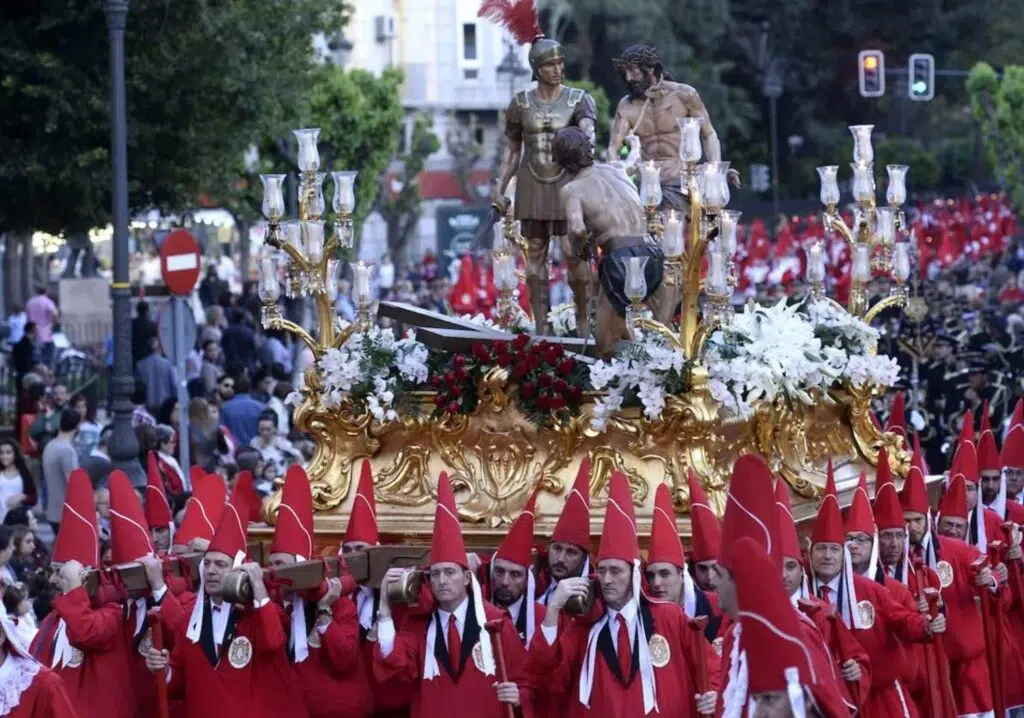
(650,185)
(863,152)
(273,196)
(861,271)
(723,182)
(672,239)
(863,183)
(311,192)
(816,263)
(901,261)
(291,231)
(829,176)
(896,193)
(309,155)
(270,285)
(505,273)
(332,279)
(728,222)
(344,192)
(690,146)
(885,225)
(636,279)
(361,294)
(712,185)
(718,273)
(313,239)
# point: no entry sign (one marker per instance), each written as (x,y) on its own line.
(179,262)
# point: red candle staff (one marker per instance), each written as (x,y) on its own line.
(697,625)
(995,605)
(161,676)
(494,628)
(940,690)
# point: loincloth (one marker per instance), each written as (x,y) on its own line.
(611,270)
(672,196)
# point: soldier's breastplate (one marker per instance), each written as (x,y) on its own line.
(541,121)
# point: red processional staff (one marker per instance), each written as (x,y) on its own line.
(939,693)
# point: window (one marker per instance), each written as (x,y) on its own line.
(469,49)
(470,73)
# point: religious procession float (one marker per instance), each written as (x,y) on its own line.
(506,406)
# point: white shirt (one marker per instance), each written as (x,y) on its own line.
(364,607)
(548,592)
(460,619)
(628,612)
(219,617)
(516,608)
(833,588)
(9,487)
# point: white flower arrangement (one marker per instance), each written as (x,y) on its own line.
(372,369)
(563,320)
(521,322)
(650,370)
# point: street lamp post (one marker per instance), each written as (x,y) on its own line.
(124,447)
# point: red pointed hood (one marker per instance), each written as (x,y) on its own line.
(574,524)
(78,539)
(789,539)
(887,510)
(704,524)
(666,547)
(897,417)
(619,536)
(1018,413)
(917,458)
(518,544)
(232,533)
(203,511)
(362,522)
(129,532)
(447,545)
(954,502)
(750,511)
(988,453)
(828,526)
(158,509)
(196,474)
(772,637)
(859,517)
(247,494)
(1012,455)
(915,493)
(294,531)
(965,461)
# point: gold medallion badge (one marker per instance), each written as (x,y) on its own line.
(313,639)
(867,613)
(146,644)
(77,657)
(478,657)
(240,652)
(945,572)
(661,654)
(716,645)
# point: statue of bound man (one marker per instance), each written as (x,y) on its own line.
(651,111)
(531,122)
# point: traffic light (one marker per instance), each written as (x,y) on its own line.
(921,74)
(871,65)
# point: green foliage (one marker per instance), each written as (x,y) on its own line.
(603,105)
(925,171)
(402,209)
(204,82)
(998,105)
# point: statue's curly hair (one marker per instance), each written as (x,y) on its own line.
(572,150)
(642,56)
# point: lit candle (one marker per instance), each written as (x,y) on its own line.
(863,183)
(728,222)
(901,261)
(829,175)
(309,156)
(344,192)
(712,185)
(273,196)
(896,194)
(885,224)
(863,152)
(636,280)
(718,281)
(313,238)
(650,185)
(361,285)
(816,263)
(690,146)
(270,286)
(672,239)
(861,263)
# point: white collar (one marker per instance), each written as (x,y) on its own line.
(516,608)
(628,612)
(459,613)
(16,675)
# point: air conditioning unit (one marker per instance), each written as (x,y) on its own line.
(384,27)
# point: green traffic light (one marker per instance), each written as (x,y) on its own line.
(920,87)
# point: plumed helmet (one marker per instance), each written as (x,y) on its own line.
(519,17)
(543,51)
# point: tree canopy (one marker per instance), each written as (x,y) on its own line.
(998,105)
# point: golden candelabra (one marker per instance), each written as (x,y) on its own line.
(306,257)
(874,238)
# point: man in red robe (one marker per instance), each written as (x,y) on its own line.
(641,656)
(706,535)
(851,669)
(570,540)
(983,524)
(390,698)
(994,467)
(882,626)
(512,581)
(952,561)
(83,644)
(202,515)
(323,633)
(667,574)
(750,512)
(226,661)
(1012,456)
(28,689)
(159,516)
(450,656)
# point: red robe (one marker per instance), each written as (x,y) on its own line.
(333,680)
(471,696)
(240,684)
(826,691)
(560,664)
(842,646)
(32,690)
(98,634)
(893,628)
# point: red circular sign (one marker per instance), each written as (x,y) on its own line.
(179,262)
